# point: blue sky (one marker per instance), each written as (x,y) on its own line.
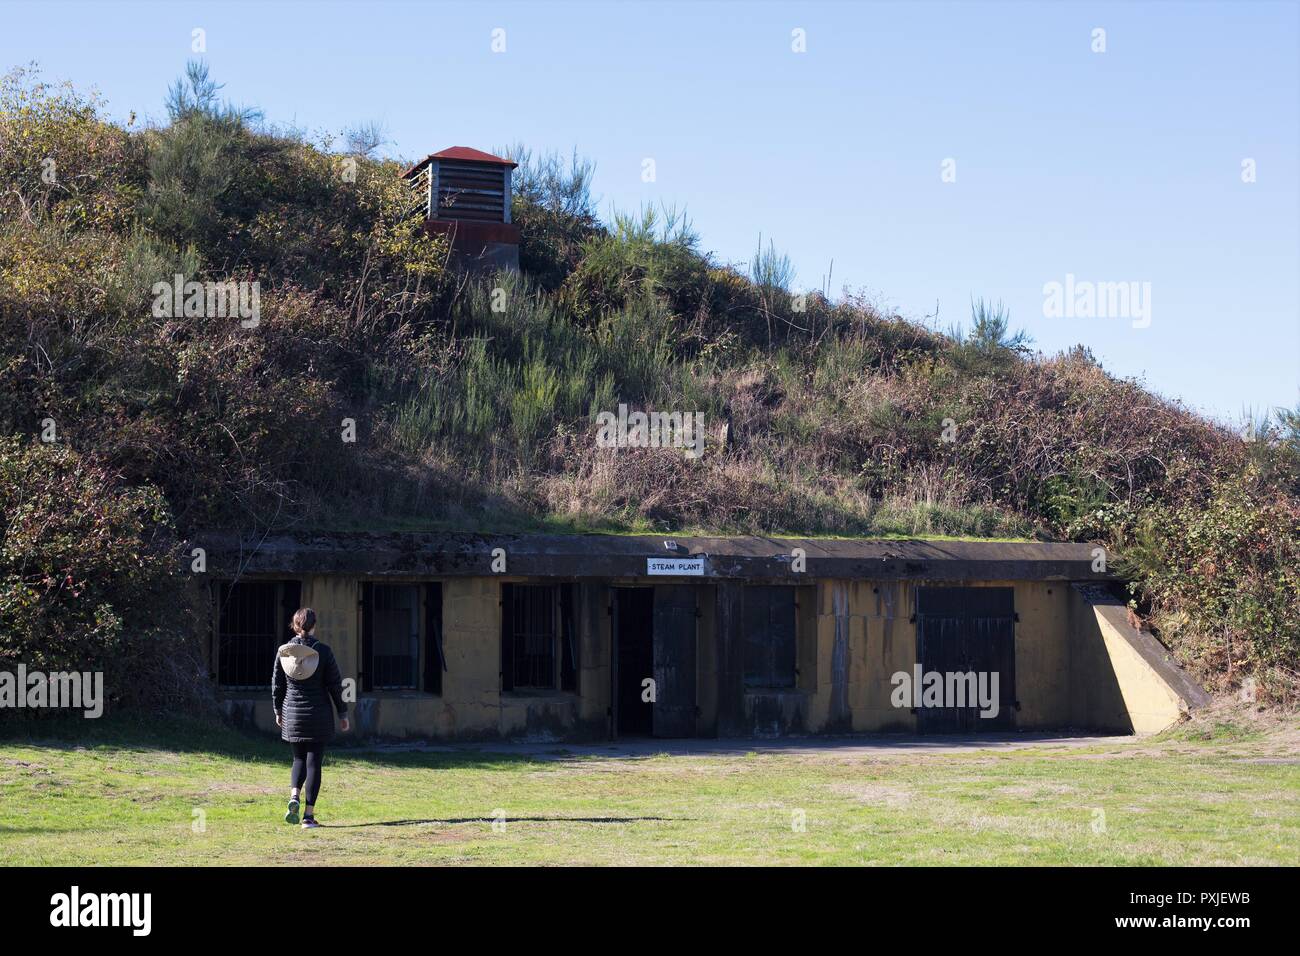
(1119,166)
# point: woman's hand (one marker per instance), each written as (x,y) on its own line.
(278,721)
(345,725)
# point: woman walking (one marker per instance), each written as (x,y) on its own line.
(306,690)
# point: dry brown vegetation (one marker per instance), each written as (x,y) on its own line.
(823,417)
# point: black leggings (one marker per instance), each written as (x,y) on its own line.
(307,759)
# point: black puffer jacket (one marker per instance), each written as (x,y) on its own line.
(305,680)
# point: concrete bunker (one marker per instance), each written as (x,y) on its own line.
(463,637)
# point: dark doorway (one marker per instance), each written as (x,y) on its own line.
(770,650)
(634,660)
(961,630)
(675,710)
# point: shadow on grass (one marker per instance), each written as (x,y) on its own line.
(213,737)
(454,820)
(179,734)
(196,736)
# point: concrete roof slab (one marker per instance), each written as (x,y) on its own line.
(449,554)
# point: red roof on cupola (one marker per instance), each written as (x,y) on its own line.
(463,154)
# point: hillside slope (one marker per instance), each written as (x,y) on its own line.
(474,401)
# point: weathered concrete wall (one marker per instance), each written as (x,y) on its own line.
(338,619)
(595,648)
(1124,679)
(1042,655)
(471,705)
(1096,700)
(850,677)
(889,646)
(864,635)
(1078,664)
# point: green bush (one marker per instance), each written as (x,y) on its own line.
(1223,575)
(651,255)
(59,162)
(91,579)
(553,208)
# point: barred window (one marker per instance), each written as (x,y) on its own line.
(401,636)
(252,621)
(395,640)
(538,637)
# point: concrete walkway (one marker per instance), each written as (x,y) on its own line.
(855,746)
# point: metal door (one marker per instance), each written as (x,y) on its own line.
(674,660)
(963,630)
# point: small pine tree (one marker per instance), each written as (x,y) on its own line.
(196,162)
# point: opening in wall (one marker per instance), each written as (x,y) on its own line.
(401,637)
(539,641)
(252,621)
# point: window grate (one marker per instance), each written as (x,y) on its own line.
(471,191)
(395,639)
(532,618)
(252,622)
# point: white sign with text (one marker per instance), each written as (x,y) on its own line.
(688,566)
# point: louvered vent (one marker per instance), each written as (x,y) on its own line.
(474,192)
(419,184)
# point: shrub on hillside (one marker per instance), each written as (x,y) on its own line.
(90,579)
(554,210)
(651,254)
(1222,578)
(59,161)
(285,209)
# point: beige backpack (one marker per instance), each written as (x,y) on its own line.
(298,661)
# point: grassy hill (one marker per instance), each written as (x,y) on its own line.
(474,399)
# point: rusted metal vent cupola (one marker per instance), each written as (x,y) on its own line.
(465,194)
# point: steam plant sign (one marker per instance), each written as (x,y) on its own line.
(693,567)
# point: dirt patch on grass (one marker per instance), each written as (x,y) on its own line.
(230,786)
(1121,754)
(1036,790)
(874,794)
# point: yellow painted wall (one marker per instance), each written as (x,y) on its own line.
(873,618)
(1118,687)
(337,621)
(1043,655)
(1095,696)
(1073,667)
(471,705)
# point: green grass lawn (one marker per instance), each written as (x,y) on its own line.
(1214,794)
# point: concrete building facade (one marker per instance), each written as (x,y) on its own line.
(464,637)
